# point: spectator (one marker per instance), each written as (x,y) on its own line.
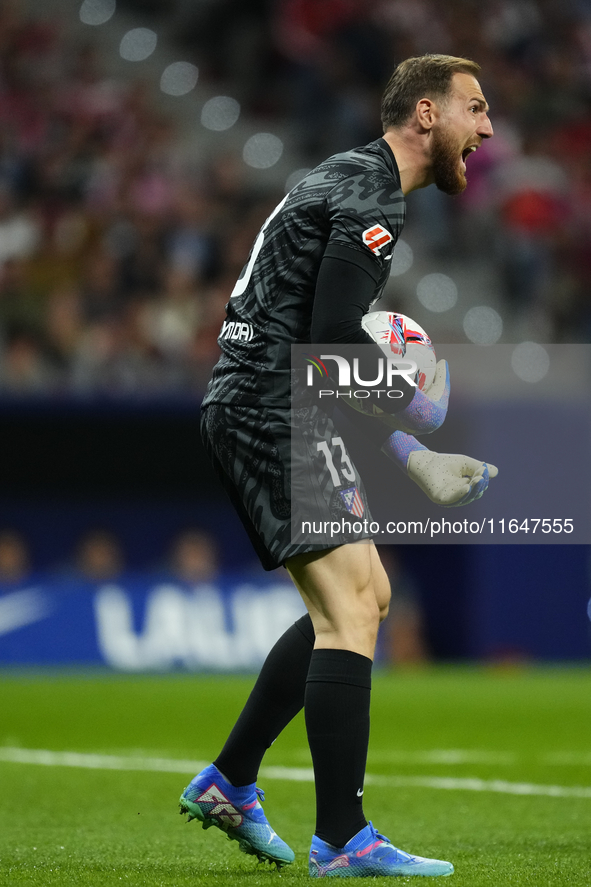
(15,564)
(99,556)
(194,557)
(171,321)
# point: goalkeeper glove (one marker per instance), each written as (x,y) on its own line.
(447,479)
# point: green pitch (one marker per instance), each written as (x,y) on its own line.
(441,740)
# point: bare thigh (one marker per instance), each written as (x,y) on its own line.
(346,591)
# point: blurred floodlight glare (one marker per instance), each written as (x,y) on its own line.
(295,178)
(262,150)
(530,361)
(483,325)
(402,258)
(437,292)
(179,78)
(138,44)
(220,113)
(97,12)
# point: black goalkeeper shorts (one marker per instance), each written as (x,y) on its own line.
(295,491)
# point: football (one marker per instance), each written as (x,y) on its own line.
(398,336)
(401,336)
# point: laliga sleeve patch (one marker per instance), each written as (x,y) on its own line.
(375,238)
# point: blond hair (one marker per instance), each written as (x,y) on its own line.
(427,76)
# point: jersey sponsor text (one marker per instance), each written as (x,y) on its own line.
(234,329)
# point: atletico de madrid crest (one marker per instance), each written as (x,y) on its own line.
(353,501)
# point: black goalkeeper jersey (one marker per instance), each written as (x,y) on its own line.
(352,201)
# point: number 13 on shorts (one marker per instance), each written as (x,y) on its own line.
(337,447)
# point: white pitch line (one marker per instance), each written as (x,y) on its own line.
(48,758)
(446,756)
(448,783)
(97,762)
(472,784)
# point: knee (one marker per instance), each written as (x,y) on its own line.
(359,617)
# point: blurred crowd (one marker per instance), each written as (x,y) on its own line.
(527,211)
(117,255)
(98,556)
(116,259)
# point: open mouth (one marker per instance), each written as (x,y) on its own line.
(466,152)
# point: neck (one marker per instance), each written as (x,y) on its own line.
(410,149)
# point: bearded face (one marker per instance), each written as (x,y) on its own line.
(447,161)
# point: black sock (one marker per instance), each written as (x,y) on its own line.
(338,692)
(276,698)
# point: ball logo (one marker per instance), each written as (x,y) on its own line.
(375,238)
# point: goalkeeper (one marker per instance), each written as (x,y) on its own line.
(323,253)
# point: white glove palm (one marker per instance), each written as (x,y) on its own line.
(449,479)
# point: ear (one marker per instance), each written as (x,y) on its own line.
(426,113)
